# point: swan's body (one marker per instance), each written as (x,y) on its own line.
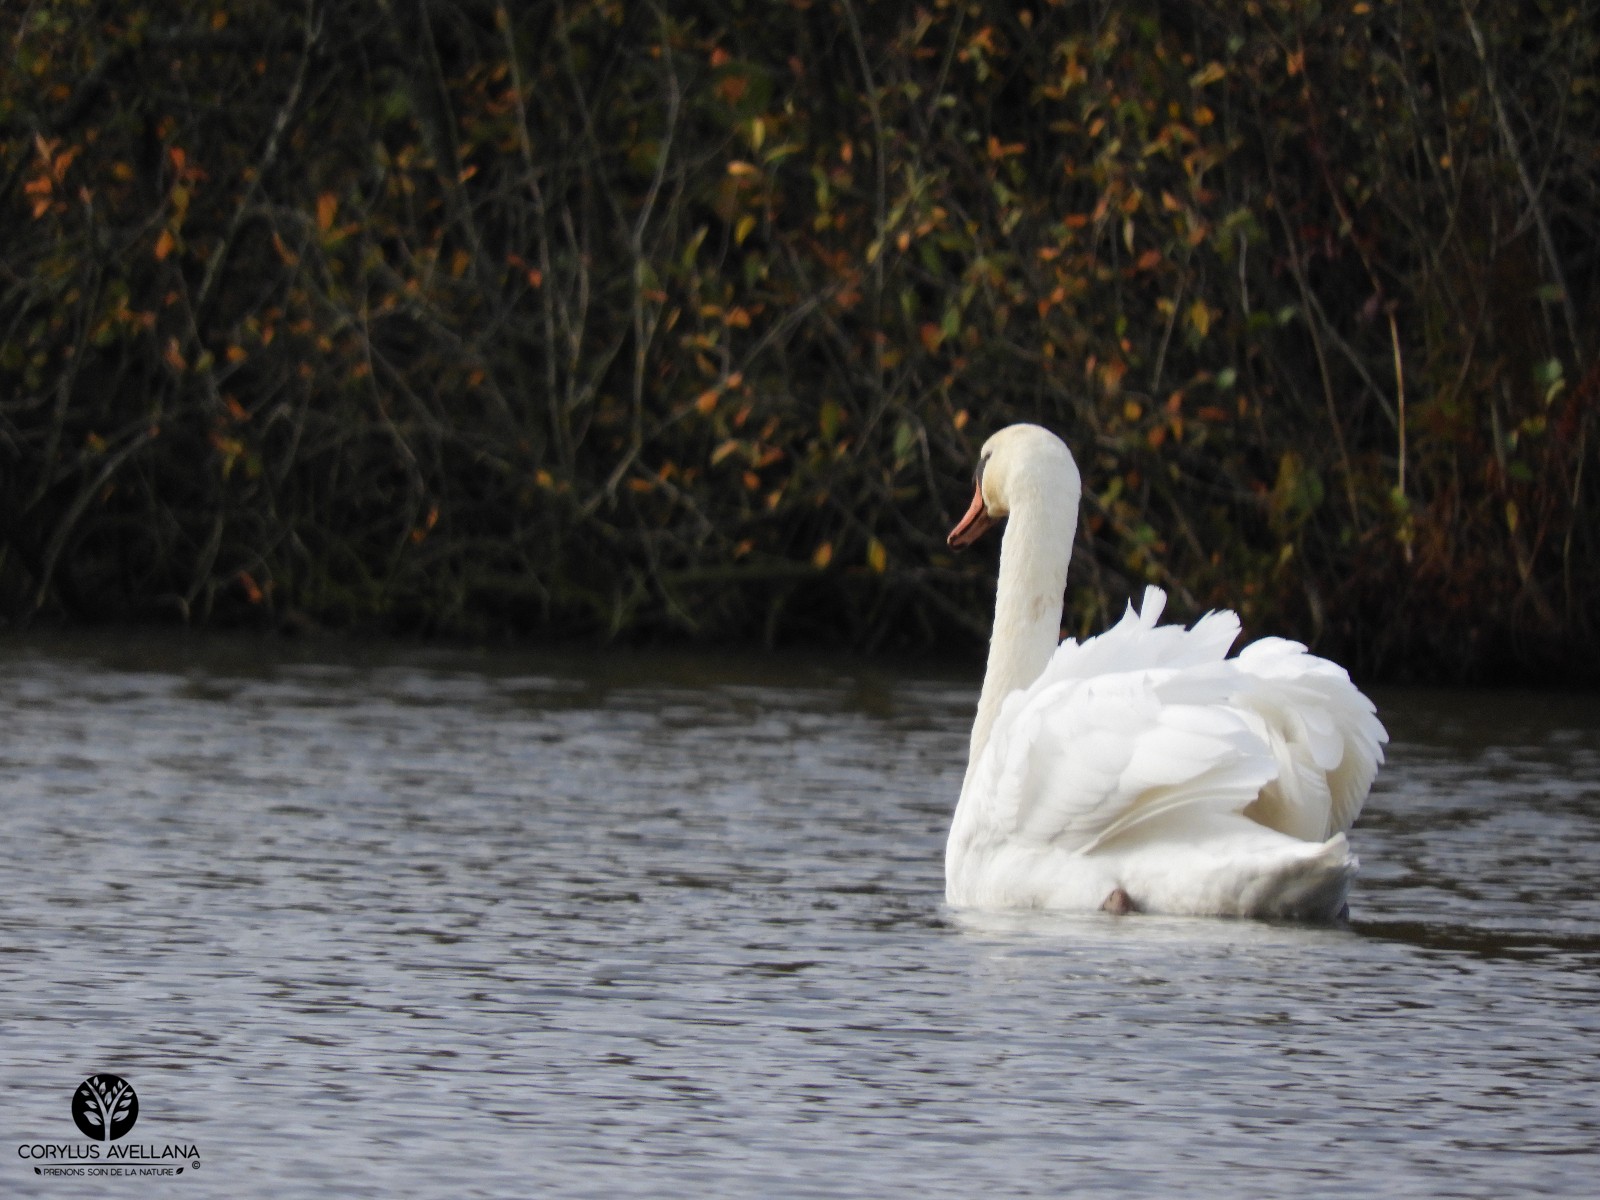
(1144,769)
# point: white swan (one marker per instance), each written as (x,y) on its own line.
(1144,769)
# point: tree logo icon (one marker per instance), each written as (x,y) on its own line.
(104,1107)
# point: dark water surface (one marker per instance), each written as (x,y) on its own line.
(376,922)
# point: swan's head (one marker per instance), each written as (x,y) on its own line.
(1019,464)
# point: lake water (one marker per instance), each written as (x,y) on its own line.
(362,921)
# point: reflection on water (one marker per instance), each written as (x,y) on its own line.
(395,922)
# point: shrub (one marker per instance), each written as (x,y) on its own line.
(685,320)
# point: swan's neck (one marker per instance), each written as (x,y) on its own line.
(1034,552)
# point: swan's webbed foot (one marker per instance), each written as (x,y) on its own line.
(1119,903)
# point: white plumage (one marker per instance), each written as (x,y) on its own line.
(1143,768)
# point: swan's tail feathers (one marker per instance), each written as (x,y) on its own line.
(1312,886)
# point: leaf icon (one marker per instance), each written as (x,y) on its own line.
(91,1116)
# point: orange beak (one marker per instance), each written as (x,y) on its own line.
(974,525)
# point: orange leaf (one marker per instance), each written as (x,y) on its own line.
(1111,374)
(164,245)
(327,206)
(289,257)
(58,168)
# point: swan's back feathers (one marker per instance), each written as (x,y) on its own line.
(1137,643)
(1149,727)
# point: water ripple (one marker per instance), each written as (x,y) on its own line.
(373,922)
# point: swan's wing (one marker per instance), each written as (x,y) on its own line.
(1146,722)
(1081,761)
(1323,731)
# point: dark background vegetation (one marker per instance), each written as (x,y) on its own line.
(684,320)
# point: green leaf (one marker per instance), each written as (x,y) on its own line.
(828,420)
(905,443)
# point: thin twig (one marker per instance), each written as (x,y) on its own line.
(1535,208)
(269,155)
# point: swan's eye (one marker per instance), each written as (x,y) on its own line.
(977,476)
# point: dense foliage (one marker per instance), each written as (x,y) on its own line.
(686,318)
